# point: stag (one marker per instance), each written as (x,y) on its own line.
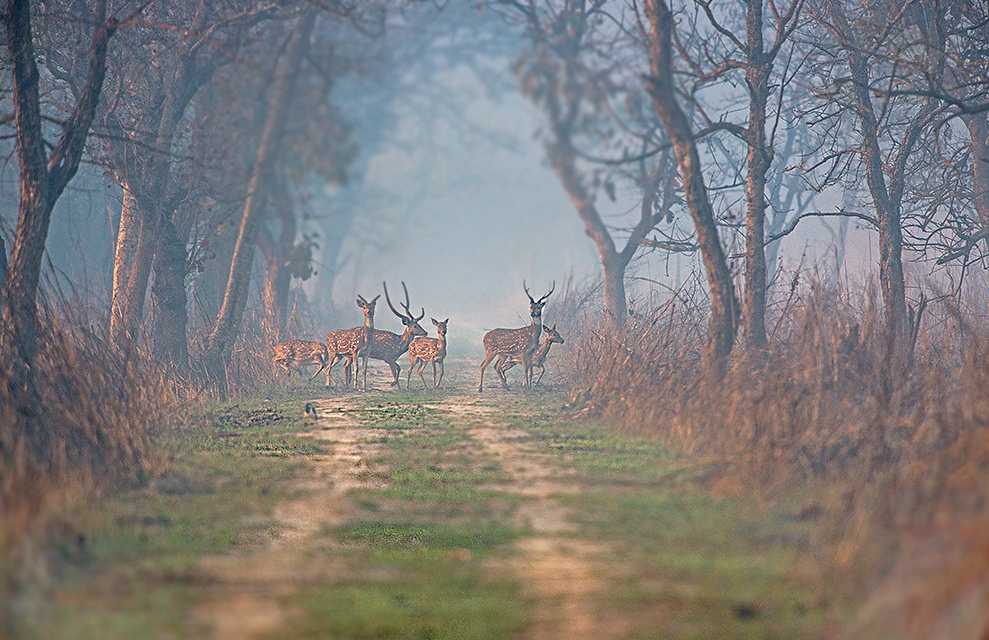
(389,347)
(516,343)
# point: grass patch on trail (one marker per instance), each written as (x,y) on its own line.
(419,548)
(715,567)
(124,566)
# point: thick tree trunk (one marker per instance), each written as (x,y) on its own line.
(757,162)
(228,320)
(169,337)
(724,306)
(131,269)
(615,300)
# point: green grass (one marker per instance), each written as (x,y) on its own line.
(128,567)
(419,549)
(717,566)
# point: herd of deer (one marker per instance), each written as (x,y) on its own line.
(527,346)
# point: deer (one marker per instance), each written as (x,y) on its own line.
(423,350)
(389,347)
(349,344)
(520,343)
(550,336)
(292,355)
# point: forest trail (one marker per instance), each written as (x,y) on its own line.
(559,572)
(246,605)
(441,514)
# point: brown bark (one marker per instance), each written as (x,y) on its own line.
(887,197)
(757,74)
(978,130)
(42,181)
(169,337)
(724,306)
(131,269)
(227,324)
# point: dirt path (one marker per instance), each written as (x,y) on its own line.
(563,575)
(249,584)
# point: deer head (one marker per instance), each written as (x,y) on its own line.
(536,306)
(408,319)
(440,327)
(367,309)
(551,335)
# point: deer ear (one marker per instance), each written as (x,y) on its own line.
(435,321)
(446,321)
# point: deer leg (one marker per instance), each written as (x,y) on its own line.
(504,364)
(412,366)
(329,370)
(484,365)
(396,371)
(364,364)
(527,369)
(434,374)
(422,367)
(542,372)
(442,371)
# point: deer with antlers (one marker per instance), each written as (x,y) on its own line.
(292,355)
(423,350)
(349,344)
(550,336)
(516,343)
(389,347)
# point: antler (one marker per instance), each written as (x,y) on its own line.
(551,290)
(388,300)
(407,303)
(526,289)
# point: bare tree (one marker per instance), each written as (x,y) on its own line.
(43,178)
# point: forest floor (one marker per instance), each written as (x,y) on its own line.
(425,514)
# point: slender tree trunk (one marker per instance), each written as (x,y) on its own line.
(887,205)
(978,130)
(131,269)
(3,263)
(228,320)
(724,306)
(757,161)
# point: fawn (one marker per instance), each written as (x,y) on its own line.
(389,347)
(520,343)
(292,355)
(550,337)
(348,344)
(423,350)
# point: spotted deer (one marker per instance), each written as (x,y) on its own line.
(389,347)
(550,336)
(349,344)
(423,350)
(292,355)
(520,343)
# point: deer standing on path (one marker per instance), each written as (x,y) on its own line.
(423,350)
(520,343)
(348,344)
(389,347)
(550,336)
(292,355)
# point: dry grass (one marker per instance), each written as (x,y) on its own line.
(99,412)
(898,449)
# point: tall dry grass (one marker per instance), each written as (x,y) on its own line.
(894,449)
(100,410)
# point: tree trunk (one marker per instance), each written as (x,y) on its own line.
(615,300)
(887,205)
(227,323)
(131,269)
(724,307)
(757,161)
(170,338)
(978,130)
(42,181)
